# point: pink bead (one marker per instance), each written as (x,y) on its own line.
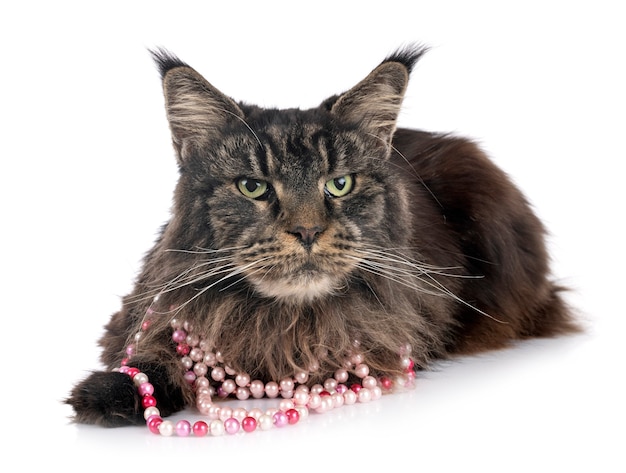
(257,389)
(231,425)
(190,377)
(369,382)
(362,370)
(145,388)
(280,419)
(200,428)
(130,350)
(341,375)
(179,336)
(271,389)
(364,395)
(182,428)
(342,388)
(242,379)
(248,424)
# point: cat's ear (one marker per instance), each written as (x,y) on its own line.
(196,110)
(374,103)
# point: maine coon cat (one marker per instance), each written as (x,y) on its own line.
(295,234)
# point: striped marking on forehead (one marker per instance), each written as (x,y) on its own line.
(307,147)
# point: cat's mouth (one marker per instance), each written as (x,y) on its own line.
(305,284)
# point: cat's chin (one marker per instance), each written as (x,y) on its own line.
(298,290)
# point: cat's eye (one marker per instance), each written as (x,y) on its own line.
(252,188)
(339,186)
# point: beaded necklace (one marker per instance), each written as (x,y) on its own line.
(200,362)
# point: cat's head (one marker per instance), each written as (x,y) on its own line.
(299,196)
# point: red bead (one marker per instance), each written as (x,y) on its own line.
(293,416)
(200,428)
(153,423)
(183,349)
(386,383)
(324,393)
(148,401)
(356,387)
(248,424)
(132,372)
(411,366)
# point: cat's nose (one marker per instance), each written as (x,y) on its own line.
(307,235)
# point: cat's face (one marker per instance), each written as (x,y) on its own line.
(300,197)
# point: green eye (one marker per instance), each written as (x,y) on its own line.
(252,188)
(339,186)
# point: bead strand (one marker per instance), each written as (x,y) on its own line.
(298,399)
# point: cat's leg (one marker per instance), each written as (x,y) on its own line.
(111,399)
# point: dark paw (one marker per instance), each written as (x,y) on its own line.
(109,399)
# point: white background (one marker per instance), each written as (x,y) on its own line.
(87,172)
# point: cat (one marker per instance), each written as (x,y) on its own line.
(296,235)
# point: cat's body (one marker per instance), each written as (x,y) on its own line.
(295,233)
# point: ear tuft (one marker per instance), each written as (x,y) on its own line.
(197,112)
(374,103)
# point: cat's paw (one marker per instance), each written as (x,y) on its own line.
(109,399)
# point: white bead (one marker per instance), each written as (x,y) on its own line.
(229,371)
(257,389)
(240,413)
(303,411)
(341,375)
(338,400)
(317,388)
(216,427)
(140,378)
(302,377)
(377,393)
(226,413)
(286,384)
(369,382)
(151,411)
(314,401)
(256,413)
(285,405)
(187,362)
(166,428)
(349,397)
(265,422)
(364,395)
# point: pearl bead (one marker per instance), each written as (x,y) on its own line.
(338,400)
(349,397)
(200,428)
(242,393)
(266,422)
(145,388)
(166,428)
(249,424)
(202,383)
(179,336)
(285,405)
(216,428)
(300,398)
(377,393)
(364,395)
(218,374)
(255,412)
(240,413)
(229,370)
(210,359)
(231,426)
(330,384)
(140,378)
(187,362)
(286,384)
(226,413)
(200,369)
(229,386)
(257,389)
(302,377)
(242,379)
(314,401)
(153,423)
(182,428)
(151,411)
(280,419)
(341,375)
(196,354)
(361,370)
(271,389)
(369,382)
(293,416)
